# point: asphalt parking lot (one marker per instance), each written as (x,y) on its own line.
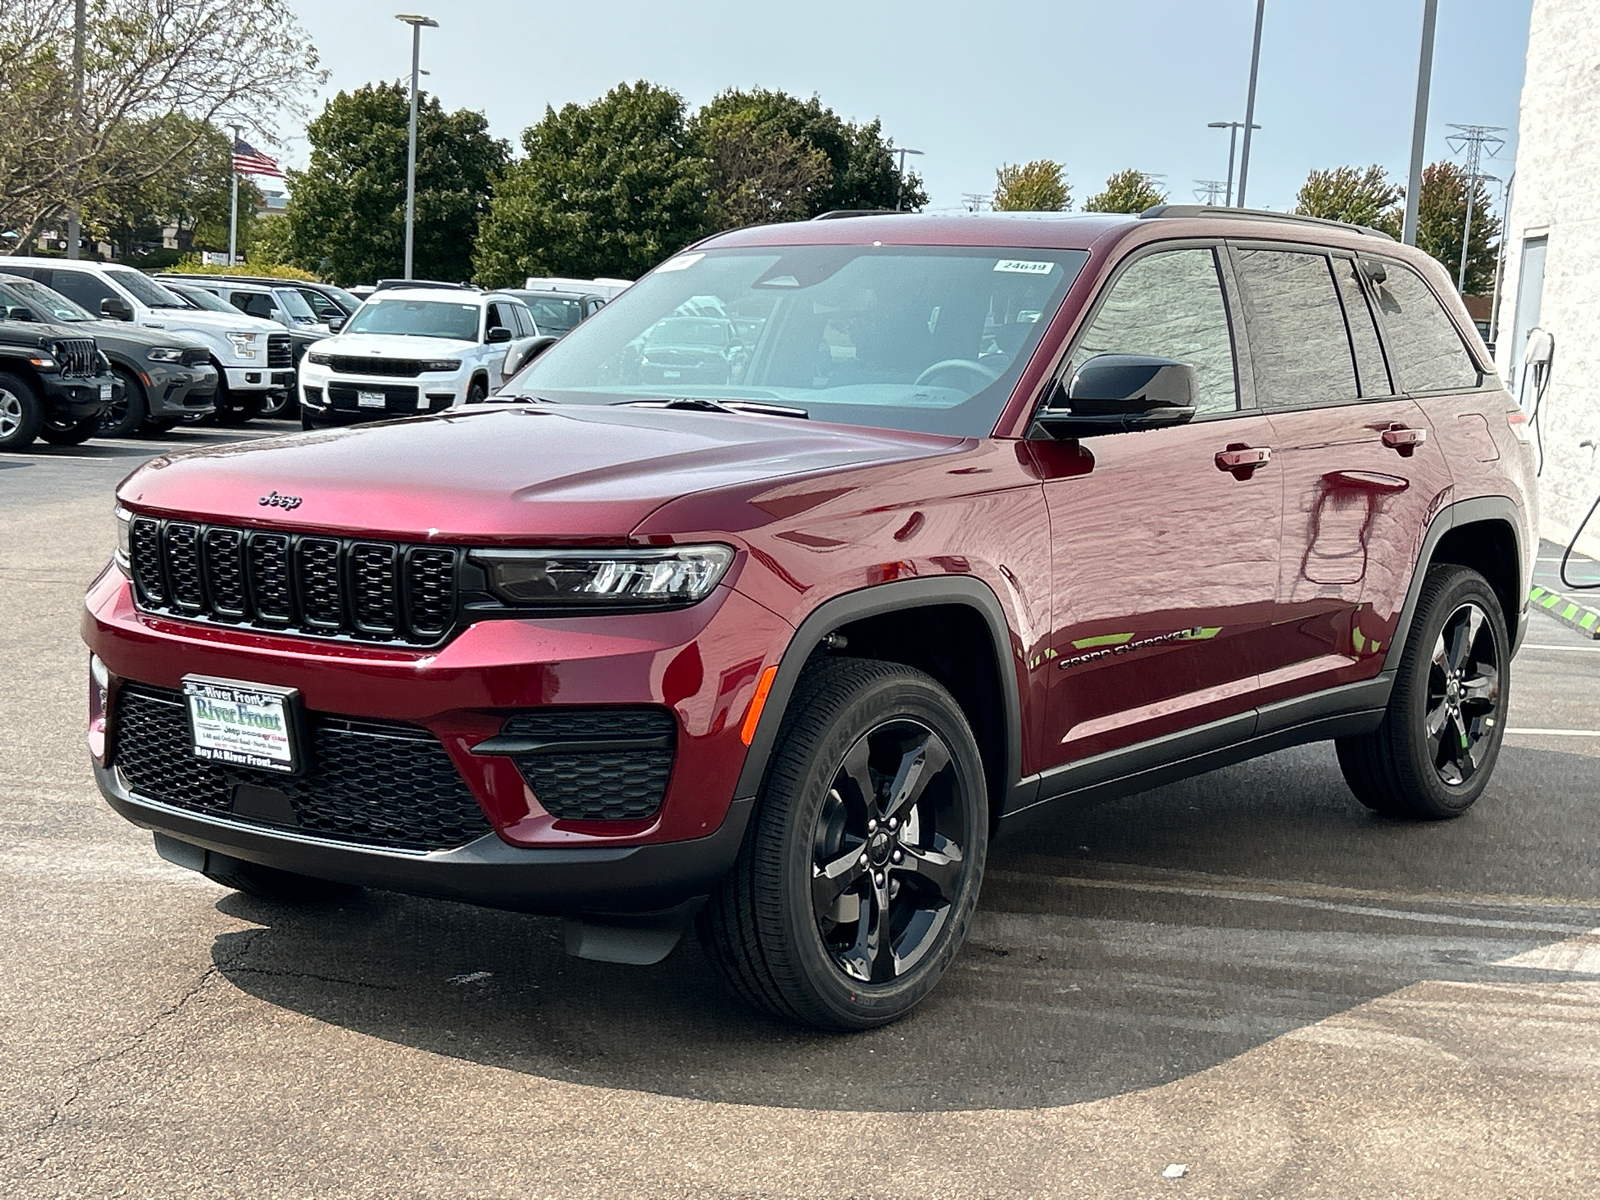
(1246,974)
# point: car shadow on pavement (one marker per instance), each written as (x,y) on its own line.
(1116,948)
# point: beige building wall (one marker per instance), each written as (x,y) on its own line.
(1557,196)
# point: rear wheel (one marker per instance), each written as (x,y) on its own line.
(270,883)
(1440,738)
(69,433)
(125,416)
(21,414)
(861,865)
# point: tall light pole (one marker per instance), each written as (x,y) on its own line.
(417,23)
(900,189)
(74,228)
(1233,128)
(1250,101)
(233,200)
(1419,122)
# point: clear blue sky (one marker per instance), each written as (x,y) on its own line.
(1095,84)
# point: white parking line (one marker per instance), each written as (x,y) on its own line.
(1568,649)
(1594,733)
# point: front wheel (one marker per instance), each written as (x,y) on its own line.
(861,866)
(69,433)
(235,408)
(128,415)
(1436,748)
(21,413)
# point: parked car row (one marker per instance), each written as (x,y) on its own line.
(184,347)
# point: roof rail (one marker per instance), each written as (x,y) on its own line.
(385,285)
(839,214)
(1255,214)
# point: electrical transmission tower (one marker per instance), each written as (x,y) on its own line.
(1473,140)
(974,201)
(1209,191)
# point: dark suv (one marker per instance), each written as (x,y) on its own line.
(996,516)
(54,381)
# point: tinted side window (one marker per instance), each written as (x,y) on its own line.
(1427,351)
(253,303)
(1370,365)
(524,321)
(1297,335)
(1170,305)
(88,290)
(494,319)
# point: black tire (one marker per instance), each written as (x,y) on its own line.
(1455,680)
(158,426)
(127,416)
(477,393)
(270,883)
(278,405)
(69,433)
(307,421)
(21,413)
(780,927)
(235,408)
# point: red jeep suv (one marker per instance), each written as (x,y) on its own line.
(984,518)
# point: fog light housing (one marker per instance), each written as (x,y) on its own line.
(99,711)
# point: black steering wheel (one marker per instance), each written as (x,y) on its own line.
(958,364)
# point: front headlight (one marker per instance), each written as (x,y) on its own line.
(442,364)
(668,576)
(244,344)
(165,354)
(320,358)
(123,557)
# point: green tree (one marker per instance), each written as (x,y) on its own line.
(863,165)
(1126,192)
(758,172)
(1442,218)
(146,64)
(607,188)
(1038,186)
(1360,196)
(346,210)
(271,242)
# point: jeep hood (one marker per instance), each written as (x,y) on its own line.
(502,473)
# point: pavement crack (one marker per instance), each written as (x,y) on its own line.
(358,983)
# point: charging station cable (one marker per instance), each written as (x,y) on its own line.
(1538,354)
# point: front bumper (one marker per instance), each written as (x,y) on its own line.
(178,391)
(488,871)
(405,395)
(78,398)
(258,379)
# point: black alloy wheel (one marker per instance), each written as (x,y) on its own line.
(862,861)
(886,864)
(127,414)
(1435,749)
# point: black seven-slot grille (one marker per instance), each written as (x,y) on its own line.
(399,368)
(295,583)
(370,782)
(77,357)
(280,351)
(592,764)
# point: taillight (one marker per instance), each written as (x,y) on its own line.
(99,710)
(1518,421)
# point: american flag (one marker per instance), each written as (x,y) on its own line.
(247,160)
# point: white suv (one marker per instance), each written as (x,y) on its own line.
(253,357)
(412,350)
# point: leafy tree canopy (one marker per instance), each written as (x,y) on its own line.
(1038,186)
(1127,191)
(1360,196)
(607,188)
(1442,219)
(346,210)
(157,75)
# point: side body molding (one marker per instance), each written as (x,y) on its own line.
(874,601)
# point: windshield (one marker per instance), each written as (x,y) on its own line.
(295,305)
(554,314)
(198,297)
(928,339)
(417,318)
(47,303)
(144,289)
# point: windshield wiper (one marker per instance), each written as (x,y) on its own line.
(757,408)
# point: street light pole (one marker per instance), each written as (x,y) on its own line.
(1250,101)
(1419,122)
(74,227)
(416,22)
(1233,128)
(900,184)
(233,204)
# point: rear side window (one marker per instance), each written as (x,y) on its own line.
(87,289)
(1298,341)
(1426,350)
(1170,304)
(1370,365)
(253,303)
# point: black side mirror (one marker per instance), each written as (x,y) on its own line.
(19,313)
(518,359)
(336,323)
(115,308)
(1120,393)
(498,334)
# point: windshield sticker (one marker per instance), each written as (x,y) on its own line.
(1023,266)
(682,263)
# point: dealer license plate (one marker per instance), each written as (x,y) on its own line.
(371,400)
(105,391)
(242,724)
